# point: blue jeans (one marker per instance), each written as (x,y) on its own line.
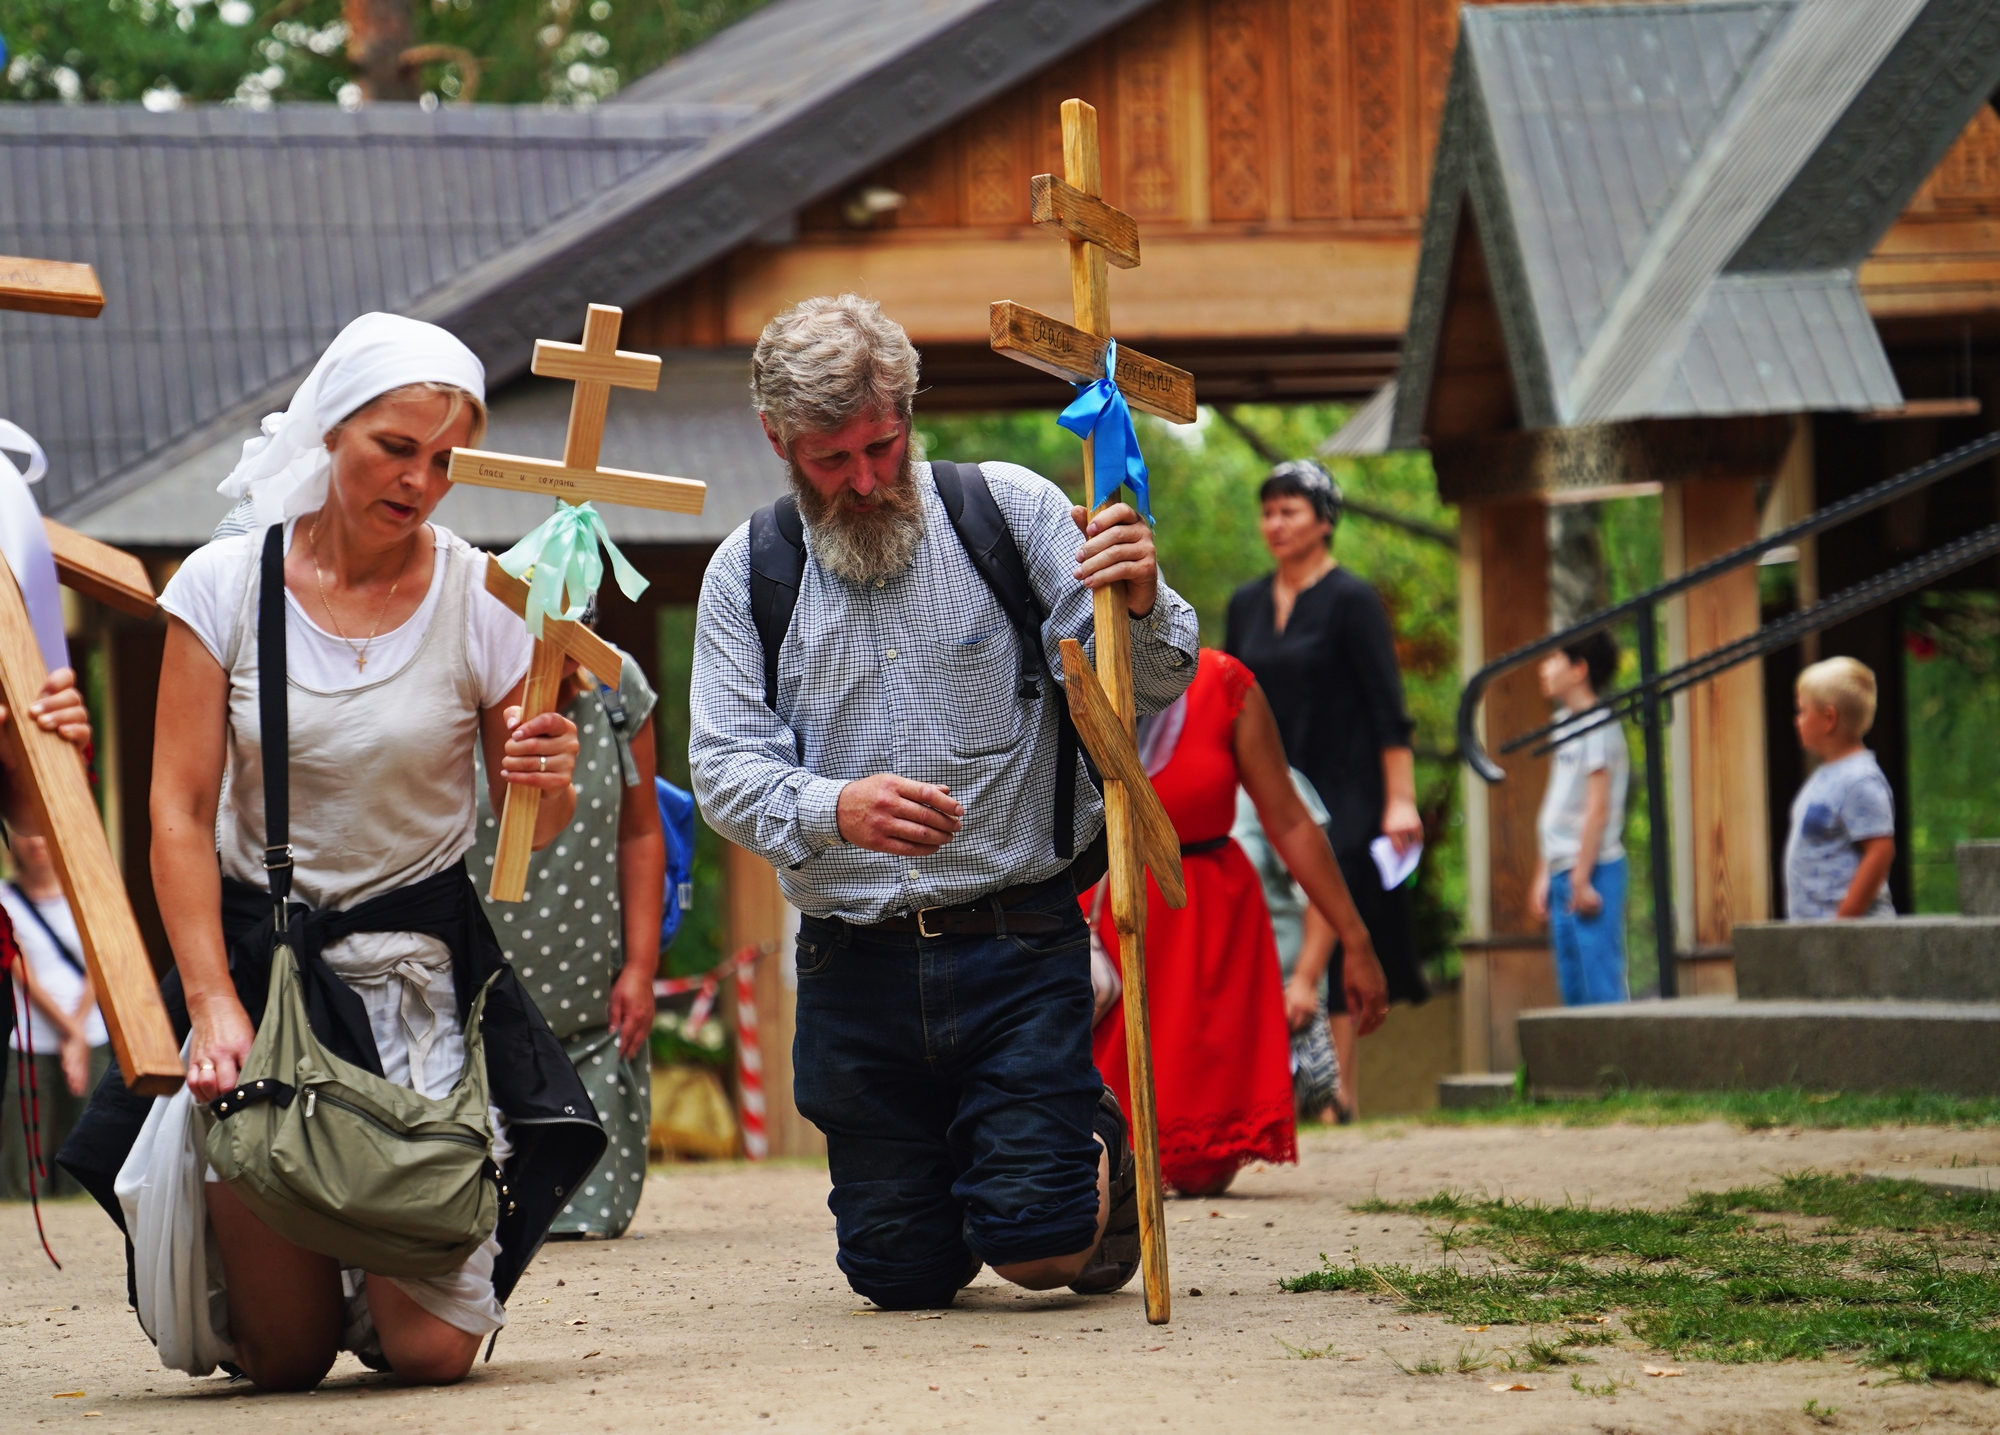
(1590,951)
(952,1077)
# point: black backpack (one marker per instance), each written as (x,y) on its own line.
(778,562)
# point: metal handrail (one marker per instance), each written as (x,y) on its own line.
(1654,687)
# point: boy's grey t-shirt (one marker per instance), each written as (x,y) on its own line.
(1842,805)
(1559,825)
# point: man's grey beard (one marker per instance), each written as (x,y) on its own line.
(864,545)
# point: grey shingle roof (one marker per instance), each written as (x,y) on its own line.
(1619,161)
(233,245)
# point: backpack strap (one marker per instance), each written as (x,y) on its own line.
(777,564)
(989,543)
(70,959)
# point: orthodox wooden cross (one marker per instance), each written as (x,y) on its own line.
(597,365)
(1140,834)
(58,787)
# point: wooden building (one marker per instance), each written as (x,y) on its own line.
(1277,153)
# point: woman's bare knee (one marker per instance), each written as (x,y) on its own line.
(420,1348)
(282,1370)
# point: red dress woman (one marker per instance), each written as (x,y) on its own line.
(1221,1047)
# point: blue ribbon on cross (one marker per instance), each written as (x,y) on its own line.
(1099,413)
(561,554)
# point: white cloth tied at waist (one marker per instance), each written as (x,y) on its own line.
(404,981)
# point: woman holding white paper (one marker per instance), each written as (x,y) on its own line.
(1319,641)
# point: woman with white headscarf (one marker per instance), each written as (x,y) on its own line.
(399,664)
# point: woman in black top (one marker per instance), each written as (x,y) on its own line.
(1318,640)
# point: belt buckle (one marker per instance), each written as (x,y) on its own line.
(922,929)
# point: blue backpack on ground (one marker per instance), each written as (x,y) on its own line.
(677,822)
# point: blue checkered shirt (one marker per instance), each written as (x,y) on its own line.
(916,675)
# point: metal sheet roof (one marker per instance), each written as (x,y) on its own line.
(699,424)
(1628,168)
(233,245)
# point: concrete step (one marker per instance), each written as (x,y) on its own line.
(1473,1090)
(1952,959)
(1979,879)
(1714,1043)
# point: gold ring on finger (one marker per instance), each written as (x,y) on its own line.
(545,762)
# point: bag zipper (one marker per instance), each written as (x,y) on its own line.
(472,1141)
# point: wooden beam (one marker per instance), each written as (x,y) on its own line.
(97,570)
(573,638)
(622,369)
(1069,353)
(50,286)
(58,794)
(1111,748)
(1064,209)
(1554,463)
(576,485)
(1961,408)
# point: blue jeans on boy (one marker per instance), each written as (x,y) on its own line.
(1590,951)
(953,1079)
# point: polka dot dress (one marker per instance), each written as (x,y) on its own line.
(566,942)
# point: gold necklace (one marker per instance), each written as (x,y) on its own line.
(360,653)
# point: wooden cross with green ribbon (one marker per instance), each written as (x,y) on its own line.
(550,576)
(1108,377)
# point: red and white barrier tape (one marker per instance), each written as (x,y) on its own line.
(749,1055)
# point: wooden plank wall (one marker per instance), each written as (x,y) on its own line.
(1277,153)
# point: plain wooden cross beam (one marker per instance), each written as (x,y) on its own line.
(58,788)
(596,366)
(1140,835)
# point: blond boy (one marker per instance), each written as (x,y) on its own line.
(1843,834)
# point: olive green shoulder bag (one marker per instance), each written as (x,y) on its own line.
(332,1157)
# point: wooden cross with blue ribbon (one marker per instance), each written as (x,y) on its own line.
(549,576)
(1111,380)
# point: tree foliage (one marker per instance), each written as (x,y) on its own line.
(1204,485)
(259,52)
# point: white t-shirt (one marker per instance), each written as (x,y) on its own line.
(207,593)
(56,981)
(1559,826)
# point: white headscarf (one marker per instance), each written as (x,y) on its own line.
(284,469)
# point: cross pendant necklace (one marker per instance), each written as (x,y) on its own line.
(360,653)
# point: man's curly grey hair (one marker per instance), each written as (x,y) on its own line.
(826,360)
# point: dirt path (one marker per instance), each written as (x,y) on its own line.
(724,1312)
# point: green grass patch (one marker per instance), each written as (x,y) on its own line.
(1890,1273)
(1751,1110)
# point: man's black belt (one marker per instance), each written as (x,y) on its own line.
(990,916)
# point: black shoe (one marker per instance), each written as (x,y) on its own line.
(1116,1259)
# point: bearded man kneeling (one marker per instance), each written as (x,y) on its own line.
(901,778)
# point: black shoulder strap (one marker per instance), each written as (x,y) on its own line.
(989,543)
(62,947)
(777,563)
(272,719)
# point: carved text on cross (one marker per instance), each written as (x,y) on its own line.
(596,366)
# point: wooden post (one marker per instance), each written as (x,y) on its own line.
(1722,824)
(1503,603)
(596,366)
(1102,703)
(128,994)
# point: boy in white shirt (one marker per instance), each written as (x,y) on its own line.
(64,1035)
(1843,835)
(1580,875)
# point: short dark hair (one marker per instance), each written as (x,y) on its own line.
(1600,652)
(1303,478)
